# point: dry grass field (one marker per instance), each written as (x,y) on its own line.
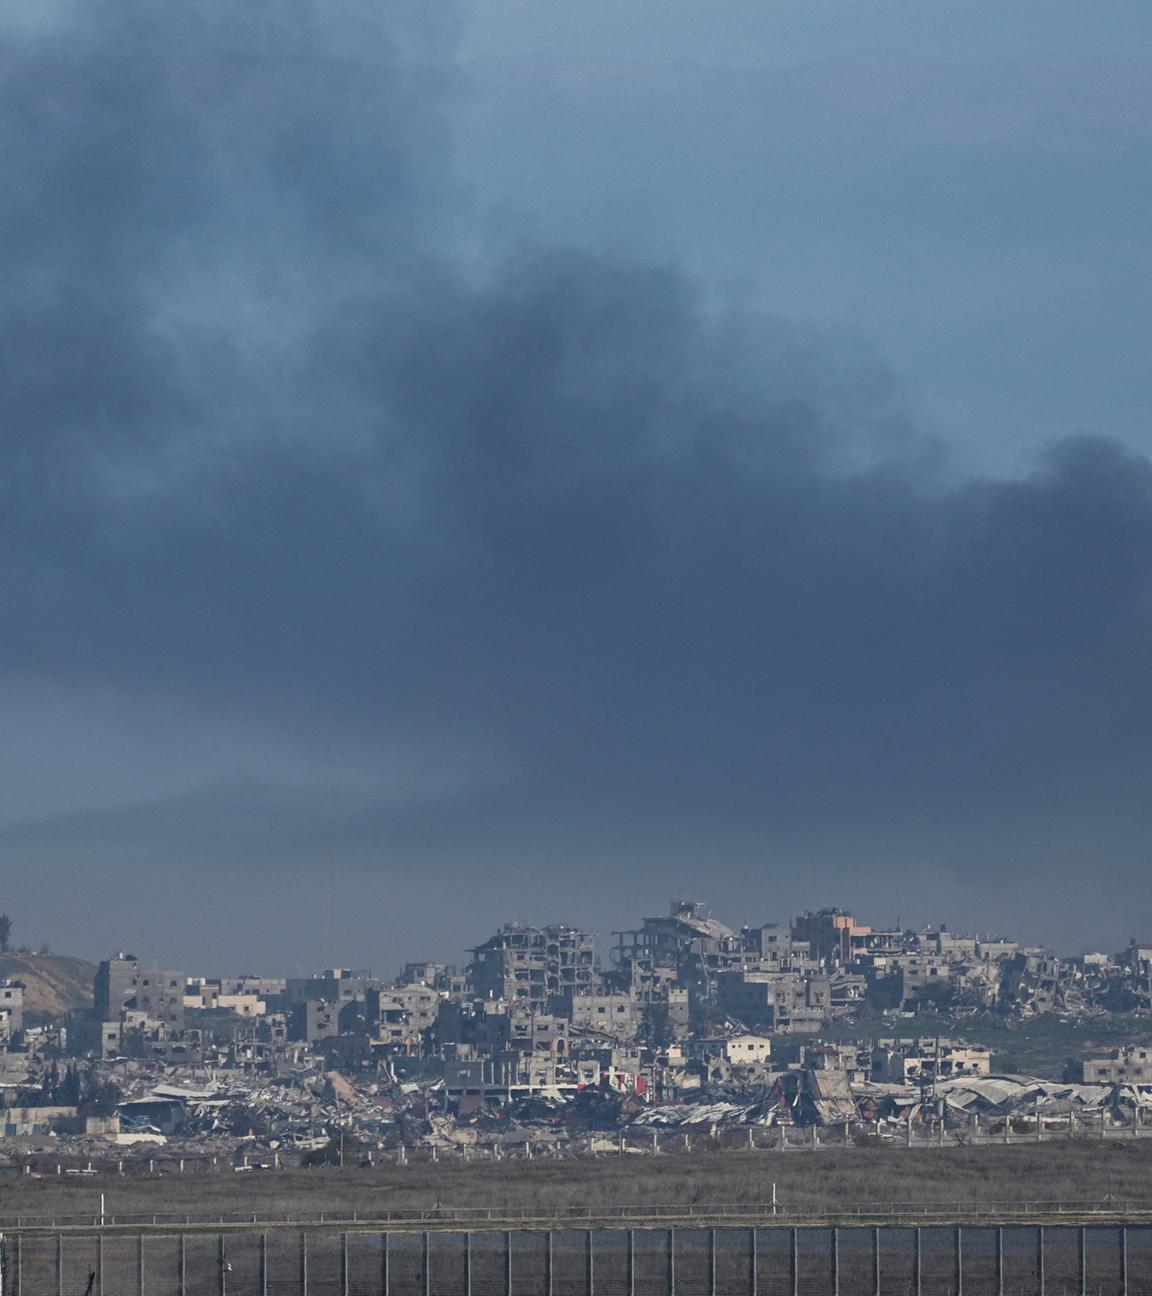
(839,1180)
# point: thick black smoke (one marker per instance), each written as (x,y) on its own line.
(617,581)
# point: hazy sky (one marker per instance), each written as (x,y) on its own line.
(530,460)
(962,185)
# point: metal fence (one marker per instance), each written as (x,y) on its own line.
(1106,1209)
(1088,1124)
(979,1260)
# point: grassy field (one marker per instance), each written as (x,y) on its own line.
(804,1181)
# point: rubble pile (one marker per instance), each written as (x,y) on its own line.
(322,1115)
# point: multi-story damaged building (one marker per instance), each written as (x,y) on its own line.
(623,1012)
(114,986)
(533,966)
(917,1061)
(1131,1065)
(688,948)
(319,1019)
(400,1015)
(333,985)
(773,944)
(1030,980)
(769,1001)
(533,1032)
(440,976)
(735,1050)
(920,976)
(212,996)
(688,1010)
(491,1026)
(470,1082)
(133,1007)
(830,934)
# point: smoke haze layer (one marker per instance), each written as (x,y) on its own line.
(532,587)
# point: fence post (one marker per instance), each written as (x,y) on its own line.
(99,1264)
(794,1262)
(1040,1257)
(875,1262)
(223,1259)
(755,1276)
(140,1264)
(671,1262)
(959,1261)
(1000,1262)
(263,1264)
(547,1264)
(711,1263)
(917,1261)
(60,1266)
(385,1274)
(183,1258)
(468,1263)
(1123,1260)
(304,1263)
(343,1264)
(591,1264)
(1083,1260)
(632,1265)
(835,1244)
(19,1265)
(426,1264)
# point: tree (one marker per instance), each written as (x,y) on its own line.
(98,1097)
(656,1030)
(5,933)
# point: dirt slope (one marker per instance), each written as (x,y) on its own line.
(53,983)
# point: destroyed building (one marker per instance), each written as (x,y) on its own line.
(122,985)
(687,1029)
(1031,980)
(916,1061)
(134,1010)
(11,1010)
(688,948)
(830,934)
(1130,1065)
(534,965)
